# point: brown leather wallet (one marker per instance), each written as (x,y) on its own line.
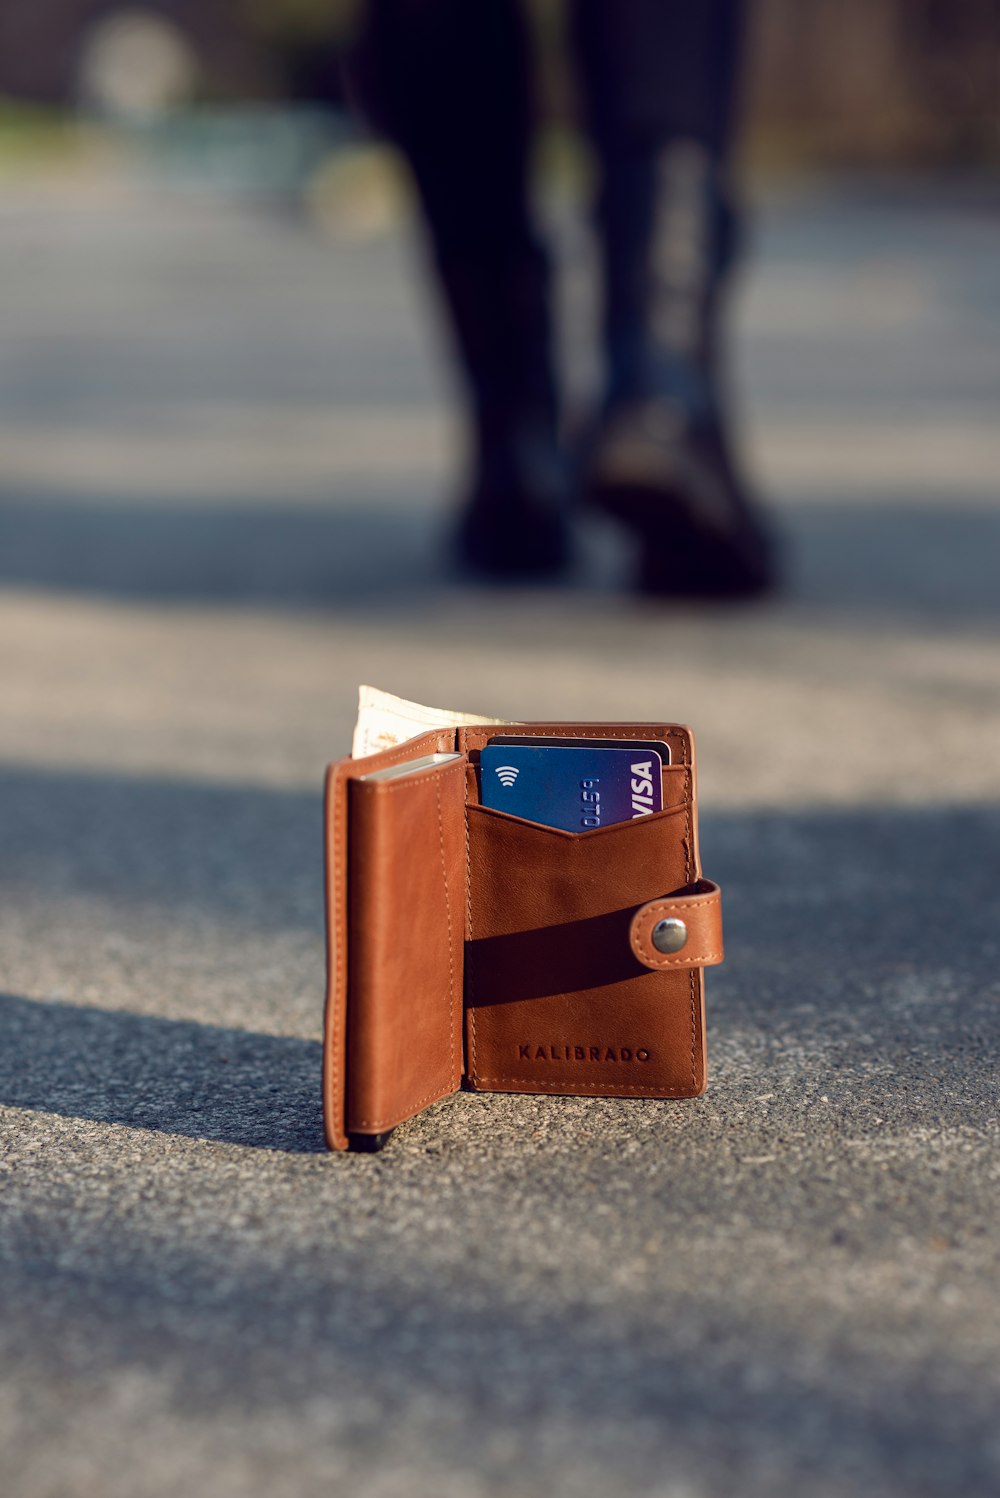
(470,948)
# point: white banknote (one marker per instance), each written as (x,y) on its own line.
(385,720)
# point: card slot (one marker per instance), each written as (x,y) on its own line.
(555,998)
(677,782)
(612,828)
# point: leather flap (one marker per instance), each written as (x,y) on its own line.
(687,925)
(336,1061)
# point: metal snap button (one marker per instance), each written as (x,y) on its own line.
(669,935)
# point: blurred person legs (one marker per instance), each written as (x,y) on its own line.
(660,82)
(449,81)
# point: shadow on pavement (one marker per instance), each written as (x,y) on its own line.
(861,953)
(175,1076)
(883,558)
(247,856)
(175,552)
(481,1372)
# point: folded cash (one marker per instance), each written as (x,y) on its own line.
(385,720)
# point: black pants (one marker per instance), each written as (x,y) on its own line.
(450,81)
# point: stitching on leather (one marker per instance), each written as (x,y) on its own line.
(339,943)
(478,738)
(693,903)
(399,754)
(398,1118)
(646,953)
(703,959)
(594,834)
(695,991)
(407,784)
(697,959)
(603,1089)
(438,772)
(470,968)
(695,980)
(451,941)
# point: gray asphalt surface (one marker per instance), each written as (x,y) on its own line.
(224,445)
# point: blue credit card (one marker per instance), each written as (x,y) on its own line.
(577,789)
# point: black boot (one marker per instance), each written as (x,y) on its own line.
(449,80)
(661,461)
(514,522)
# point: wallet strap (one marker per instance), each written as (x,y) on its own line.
(681,930)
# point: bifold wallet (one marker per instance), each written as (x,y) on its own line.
(469,948)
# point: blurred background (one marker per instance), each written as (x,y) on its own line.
(223,380)
(834,83)
(228,455)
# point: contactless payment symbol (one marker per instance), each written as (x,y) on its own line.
(574,789)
